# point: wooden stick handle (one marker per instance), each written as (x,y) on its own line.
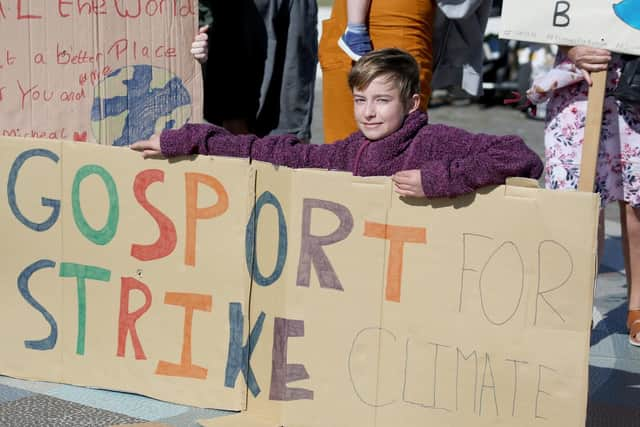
(595,105)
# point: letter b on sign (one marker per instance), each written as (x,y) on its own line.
(560,16)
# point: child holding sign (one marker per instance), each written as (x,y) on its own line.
(394,138)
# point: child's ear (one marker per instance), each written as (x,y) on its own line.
(414,103)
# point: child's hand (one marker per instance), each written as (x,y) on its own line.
(589,59)
(200,45)
(408,183)
(149,147)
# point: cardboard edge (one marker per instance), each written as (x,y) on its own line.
(238,420)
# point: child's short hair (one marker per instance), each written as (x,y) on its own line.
(399,65)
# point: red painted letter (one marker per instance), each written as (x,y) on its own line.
(60,12)
(127,322)
(21,16)
(398,236)
(166,242)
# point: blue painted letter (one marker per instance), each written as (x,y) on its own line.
(239,358)
(265,198)
(23,286)
(11,191)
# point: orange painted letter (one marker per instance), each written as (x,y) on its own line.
(190,302)
(398,236)
(194,213)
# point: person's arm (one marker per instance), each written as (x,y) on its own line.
(285,150)
(474,161)
(203,139)
(195,139)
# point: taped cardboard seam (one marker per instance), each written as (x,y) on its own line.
(517,181)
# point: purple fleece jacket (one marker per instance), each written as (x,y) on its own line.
(451,161)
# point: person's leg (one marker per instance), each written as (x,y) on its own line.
(337,102)
(355,41)
(623,127)
(630,221)
(289,67)
(357,11)
(299,70)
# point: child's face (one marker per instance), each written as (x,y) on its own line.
(379,109)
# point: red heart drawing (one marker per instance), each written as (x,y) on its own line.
(81,137)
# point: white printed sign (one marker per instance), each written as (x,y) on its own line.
(610,24)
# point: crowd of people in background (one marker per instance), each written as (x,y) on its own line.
(270,50)
(260,78)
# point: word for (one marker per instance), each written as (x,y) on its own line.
(450,378)
(127,9)
(501,258)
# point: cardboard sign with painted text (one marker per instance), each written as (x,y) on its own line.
(386,312)
(120,271)
(112,72)
(610,24)
(305,297)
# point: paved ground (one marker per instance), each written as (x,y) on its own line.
(614,394)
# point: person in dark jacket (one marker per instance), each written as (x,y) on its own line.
(394,139)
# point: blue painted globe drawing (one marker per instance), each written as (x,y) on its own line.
(134,102)
(629,12)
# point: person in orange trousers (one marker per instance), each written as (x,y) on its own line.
(405,24)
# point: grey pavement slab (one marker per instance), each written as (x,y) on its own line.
(47,411)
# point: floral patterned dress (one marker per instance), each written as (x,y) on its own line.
(618,167)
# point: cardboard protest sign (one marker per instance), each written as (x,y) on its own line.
(572,23)
(386,312)
(121,276)
(310,298)
(110,72)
